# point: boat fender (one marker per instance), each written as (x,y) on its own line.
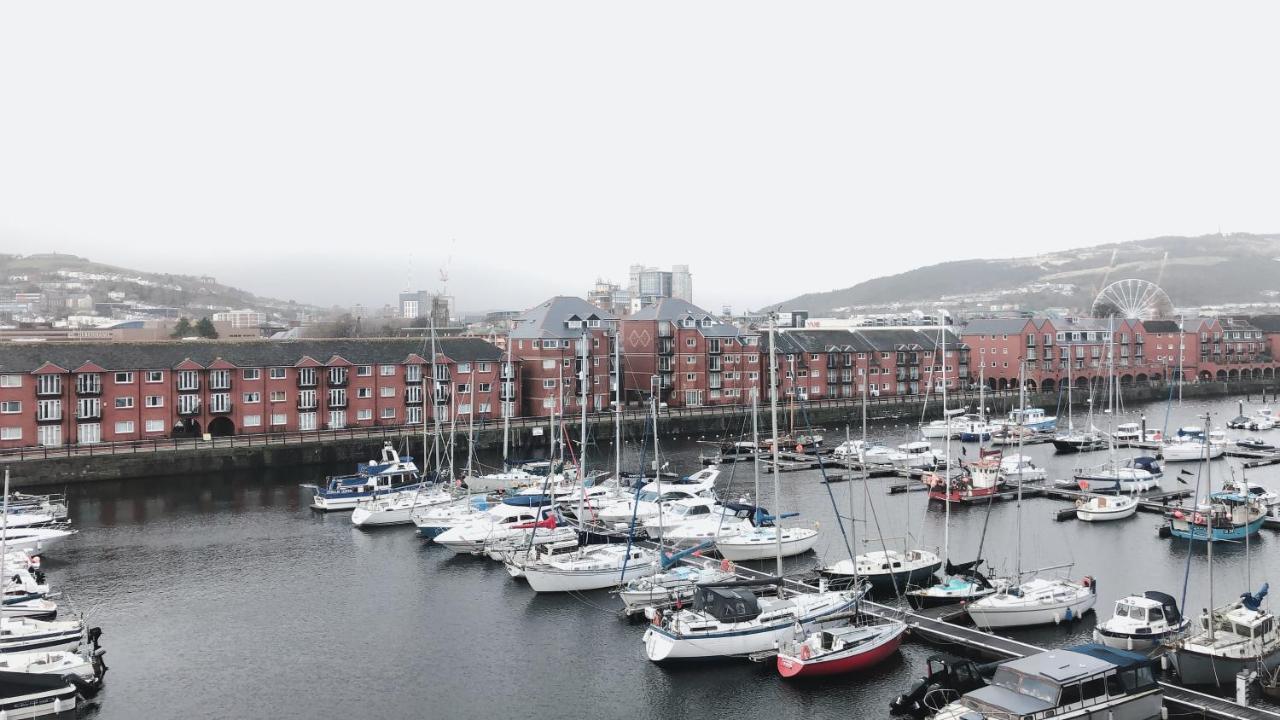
(725,565)
(799,448)
(657,617)
(1087,581)
(1069,616)
(804,652)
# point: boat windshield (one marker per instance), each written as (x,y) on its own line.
(1025,684)
(1138,614)
(1122,610)
(647,496)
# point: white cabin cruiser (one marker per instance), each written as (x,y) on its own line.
(1021,467)
(391,472)
(1101,508)
(495,524)
(918,455)
(952,425)
(696,526)
(398,507)
(1141,622)
(677,583)
(433,520)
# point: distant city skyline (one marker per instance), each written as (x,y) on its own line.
(801,151)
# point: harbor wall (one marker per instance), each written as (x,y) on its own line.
(530,441)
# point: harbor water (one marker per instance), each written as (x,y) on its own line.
(225,596)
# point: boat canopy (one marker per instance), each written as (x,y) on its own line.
(1167,604)
(727,604)
(1122,659)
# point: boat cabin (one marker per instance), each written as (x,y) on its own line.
(1064,682)
(1154,609)
(727,604)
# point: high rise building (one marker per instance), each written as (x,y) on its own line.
(649,284)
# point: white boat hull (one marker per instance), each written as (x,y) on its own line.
(747,547)
(543,579)
(1029,614)
(1104,514)
(741,639)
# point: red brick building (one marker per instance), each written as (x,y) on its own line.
(547,343)
(85,393)
(829,364)
(697,359)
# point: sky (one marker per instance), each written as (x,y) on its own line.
(335,152)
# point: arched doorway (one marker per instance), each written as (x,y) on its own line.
(1127,379)
(187,427)
(1047,385)
(1082,383)
(991,383)
(1233,374)
(1206,375)
(222,427)
(1030,385)
(1142,377)
(1222,376)
(1004,384)
(1268,372)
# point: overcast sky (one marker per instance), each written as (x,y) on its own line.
(308,150)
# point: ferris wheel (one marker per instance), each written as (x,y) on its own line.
(1132,298)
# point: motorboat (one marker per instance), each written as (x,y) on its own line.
(1255,444)
(592,568)
(389,473)
(888,571)
(1037,601)
(397,507)
(868,453)
(1085,681)
(1269,499)
(1237,636)
(1011,435)
(697,527)
(680,511)
(975,430)
(1191,448)
(918,455)
(839,650)
(1142,622)
(27,635)
(37,695)
(952,425)
(36,539)
(730,620)
(644,504)
(536,545)
(1101,508)
(1230,514)
(1138,474)
(1021,468)
(1127,433)
(1033,419)
(979,480)
(761,543)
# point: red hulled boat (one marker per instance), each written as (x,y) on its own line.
(840,650)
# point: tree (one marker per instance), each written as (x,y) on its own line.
(182,329)
(205,329)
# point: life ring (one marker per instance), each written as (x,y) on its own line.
(800,448)
(804,652)
(1086,581)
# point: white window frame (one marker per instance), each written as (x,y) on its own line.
(11,407)
(128,378)
(124,427)
(158,401)
(10,381)
(124,402)
(154,376)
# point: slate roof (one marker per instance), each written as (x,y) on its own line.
(27,357)
(1266,323)
(996,326)
(675,311)
(550,319)
(1164,326)
(858,340)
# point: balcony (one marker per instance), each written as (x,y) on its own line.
(44,389)
(507,391)
(188,409)
(337,403)
(339,381)
(89,388)
(666,347)
(306,380)
(413,396)
(220,403)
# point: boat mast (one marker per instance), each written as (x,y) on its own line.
(507,374)
(1071,416)
(1022,402)
(773,420)
(435,441)
(1208,518)
(583,378)
(471,417)
(4,533)
(755,442)
(655,383)
(946,472)
(617,404)
(1113,387)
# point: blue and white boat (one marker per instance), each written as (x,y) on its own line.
(389,474)
(1230,514)
(1033,419)
(431,521)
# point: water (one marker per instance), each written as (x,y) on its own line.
(224,596)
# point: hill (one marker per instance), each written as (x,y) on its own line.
(1194,271)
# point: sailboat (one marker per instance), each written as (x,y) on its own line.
(963,582)
(730,619)
(1036,601)
(509,478)
(1240,635)
(1136,475)
(1073,441)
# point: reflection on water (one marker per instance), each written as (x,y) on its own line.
(223,595)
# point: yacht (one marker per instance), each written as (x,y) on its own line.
(1032,419)
(1086,681)
(398,507)
(1191,447)
(669,586)
(435,519)
(1038,601)
(1142,622)
(1101,508)
(1080,441)
(918,455)
(496,523)
(1127,433)
(592,568)
(764,540)
(696,526)
(952,425)
(1237,636)
(731,620)
(888,571)
(1138,474)
(391,472)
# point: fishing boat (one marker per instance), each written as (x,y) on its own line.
(1141,622)
(1237,636)
(729,619)
(975,430)
(840,650)
(592,568)
(1085,681)
(1138,474)
(1102,508)
(1033,419)
(888,571)
(391,472)
(1228,515)
(977,481)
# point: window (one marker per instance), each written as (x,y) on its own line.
(278,373)
(48,385)
(389,391)
(11,433)
(220,402)
(155,376)
(337,397)
(124,427)
(279,419)
(464,388)
(337,418)
(124,403)
(277,396)
(188,380)
(124,378)
(464,368)
(220,380)
(364,370)
(307,421)
(251,374)
(49,435)
(691,342)
(154,426)
(548,364)
(306,377)
(252,421)
(10,407)
(11,381)
(387,370)
(388,413)
(485,387)
(89,433)
(88,408)
(482,367)
(365,414)
(364,392)
(548,402)
(337,375)
(251,397)
(690,359)
(548,383)
(154,401)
